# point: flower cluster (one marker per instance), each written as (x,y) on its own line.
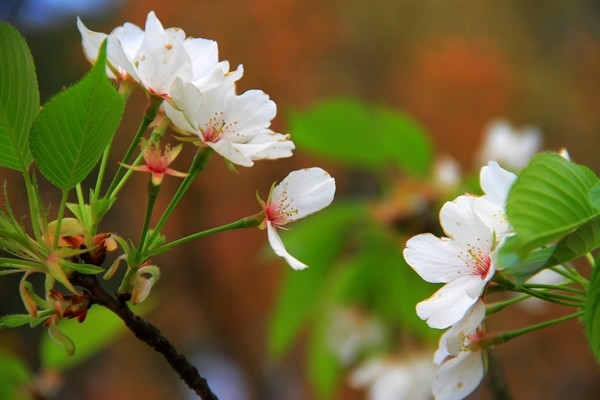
(199,89)
(198,99)
(464,260)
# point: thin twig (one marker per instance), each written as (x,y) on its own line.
(147,333)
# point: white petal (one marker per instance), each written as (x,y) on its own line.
(435,260)
(450,303)
(153,27)
(232,153)
(279,248)
(461,224)
(90,41)
(453,340)
(204,56)
(509,146)
(130,36)
(493,216)
(120,60)
(267,145)
(459,377)
(186,100)
(307,190)
(496,182)
(366,373)
(252,112)
(179,122)
(159,66)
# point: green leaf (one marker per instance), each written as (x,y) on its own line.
(406,142)
(88,269)
(14,320)
(62,341)
(340,129)
(324,370)
(75,126)
(299,294)
(591,316)
(362,136)
(19,98)
(15,378)
(549,200)
(595,195)
(582,241)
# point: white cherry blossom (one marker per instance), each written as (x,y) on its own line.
(235,126)
(461,369)
(301,193)
(407,378)
(463,260)
(509,146)
(154,57)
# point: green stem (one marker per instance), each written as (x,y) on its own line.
(101,171)
(199,163)
(504,337)
(500,305)
(149,115)
(155,135)
(247,222)
(554,287)
(125,177)
(152,195)
(551,297)
(59,217)
(33,206)
(84,215)
(590,258)
(7,262)
(572,274)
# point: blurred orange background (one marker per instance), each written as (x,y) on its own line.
(452,65)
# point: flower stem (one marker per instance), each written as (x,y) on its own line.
(500,305)
(199,163)
(590,258)
(59,217)
(152,195)
(554,287)
(572,274)
(149,115)
(564,300)
(33,206)
(504,337)
(247,222)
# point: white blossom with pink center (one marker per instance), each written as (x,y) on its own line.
(463,260)
(235,126)
(301,193)
(154,57)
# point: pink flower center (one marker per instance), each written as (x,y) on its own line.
(216,128)
(279,212)
(482,265)
(211,134)
(156,161)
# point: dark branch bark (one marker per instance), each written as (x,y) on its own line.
(496,381)
(147,333)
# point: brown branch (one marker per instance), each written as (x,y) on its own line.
(147,333)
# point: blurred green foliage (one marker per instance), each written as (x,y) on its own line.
(355,257)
